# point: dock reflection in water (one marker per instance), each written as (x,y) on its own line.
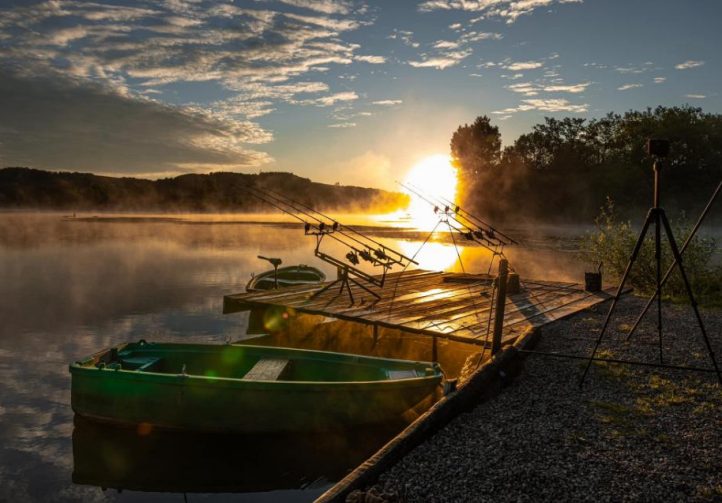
(143,459)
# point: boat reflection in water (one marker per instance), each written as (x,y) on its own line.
(147,459)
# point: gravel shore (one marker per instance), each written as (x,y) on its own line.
(633,433)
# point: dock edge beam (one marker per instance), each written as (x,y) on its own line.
(484,384)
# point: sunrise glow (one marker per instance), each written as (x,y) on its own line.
(434,179)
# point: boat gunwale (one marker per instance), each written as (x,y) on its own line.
(83,367)
(181,379)
(250,286)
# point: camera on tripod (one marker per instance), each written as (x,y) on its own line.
(657,147)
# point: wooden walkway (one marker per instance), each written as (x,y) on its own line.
(450,305)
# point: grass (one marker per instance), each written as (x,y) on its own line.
(613,240)
(652,396)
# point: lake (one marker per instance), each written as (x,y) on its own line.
(73,286)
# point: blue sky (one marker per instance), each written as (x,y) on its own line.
(347,91)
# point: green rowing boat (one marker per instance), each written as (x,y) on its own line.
(292,275)
(205,387)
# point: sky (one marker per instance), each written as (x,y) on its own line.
(354,92)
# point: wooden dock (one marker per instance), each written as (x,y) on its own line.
(448,305)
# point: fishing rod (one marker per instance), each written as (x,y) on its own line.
(318,229)
(339,226)
(470,234)
(478,221)
(489,231)
(367,253)
(346,272)
(450,212)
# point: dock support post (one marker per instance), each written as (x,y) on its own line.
(500,304)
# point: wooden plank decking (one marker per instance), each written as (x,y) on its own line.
(451,305)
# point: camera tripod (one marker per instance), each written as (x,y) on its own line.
(657,216)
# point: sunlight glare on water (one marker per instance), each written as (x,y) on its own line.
(432,256)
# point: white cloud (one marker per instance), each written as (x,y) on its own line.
(567,88)
(107,132)
(374,60)
(387,103)
(323,6)
(689,64)
(449,53)
(633,69)
(544,105)
(182,41)
(342,125)
(533,89)
(406,37)
(446,60)
(523,65)
(695,96)
(626,87)
(506,9)
(525,88)
(474,36)
(445,44)
(113,56)
(327,101)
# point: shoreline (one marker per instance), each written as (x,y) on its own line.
(633,433)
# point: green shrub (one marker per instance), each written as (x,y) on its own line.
(613,240)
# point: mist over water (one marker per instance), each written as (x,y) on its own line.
(73,286)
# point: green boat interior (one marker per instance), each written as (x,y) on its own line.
(254,363)
(287,276)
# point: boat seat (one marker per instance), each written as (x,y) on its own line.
(142,363)
(266,369)
(401,374)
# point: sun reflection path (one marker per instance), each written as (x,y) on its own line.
(432,256)
(435,176)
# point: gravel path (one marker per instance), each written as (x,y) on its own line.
(633,434)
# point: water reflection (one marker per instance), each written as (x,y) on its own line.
(72,287)
(164,461)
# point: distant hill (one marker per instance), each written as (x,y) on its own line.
(25,188)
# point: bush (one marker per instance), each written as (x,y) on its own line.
(613,241)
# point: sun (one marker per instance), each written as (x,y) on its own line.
(435,179)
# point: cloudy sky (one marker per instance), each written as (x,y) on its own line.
(349,91)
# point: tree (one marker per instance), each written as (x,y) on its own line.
(566,168)
(477,147)
(476,151)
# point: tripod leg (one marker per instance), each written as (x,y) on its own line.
(324,289)
(632,258)
(681,252)
(350,293)
(678,258)
(376,295)
(658,290)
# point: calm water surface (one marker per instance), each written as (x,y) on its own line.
(70,287)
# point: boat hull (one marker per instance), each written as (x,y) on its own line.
(209,403)
(287,276)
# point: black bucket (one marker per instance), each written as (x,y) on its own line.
(592,281)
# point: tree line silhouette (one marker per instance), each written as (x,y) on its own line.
(565,169)
(24,188)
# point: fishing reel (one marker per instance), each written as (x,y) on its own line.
(320,229)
